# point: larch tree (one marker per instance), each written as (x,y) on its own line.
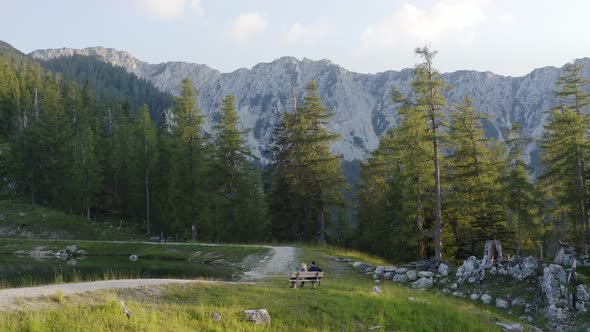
(474,173)
(428,87)
(565,149)
(190,159)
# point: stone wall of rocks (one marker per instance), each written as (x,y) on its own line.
(560,299)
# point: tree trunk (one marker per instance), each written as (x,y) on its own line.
(147,186)
(582,193)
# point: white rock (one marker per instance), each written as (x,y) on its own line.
(380,270)
(412,275)
(425,274)
(518,302)
(401,278)
(510,327)
(376,290)
(501,304)
(486,299)
(422,283)
(258,316)
(459,294)
(474,297)
(443,269)
(401,270)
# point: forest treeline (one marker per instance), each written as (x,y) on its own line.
(436,187)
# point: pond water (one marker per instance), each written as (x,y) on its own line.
(27,271)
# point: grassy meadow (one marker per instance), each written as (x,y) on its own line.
(343,302)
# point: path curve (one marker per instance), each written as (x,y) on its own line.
(280,261)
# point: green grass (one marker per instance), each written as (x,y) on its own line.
(35,221)
(342,303)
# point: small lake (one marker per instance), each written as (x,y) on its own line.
(29,271)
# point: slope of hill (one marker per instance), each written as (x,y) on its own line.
(110,82)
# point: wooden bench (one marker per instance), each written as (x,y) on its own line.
(315,277)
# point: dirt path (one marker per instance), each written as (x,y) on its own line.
(280,261)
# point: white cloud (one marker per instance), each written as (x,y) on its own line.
(245,26)
(306,34)
(448,19)
(170,9)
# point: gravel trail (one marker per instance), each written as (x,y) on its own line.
(280,262)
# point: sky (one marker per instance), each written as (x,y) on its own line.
(507,37)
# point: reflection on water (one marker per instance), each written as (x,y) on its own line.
(27,271)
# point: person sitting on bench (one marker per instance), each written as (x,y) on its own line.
(312,268)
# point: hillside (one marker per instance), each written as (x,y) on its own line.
(361,101)
(111,83)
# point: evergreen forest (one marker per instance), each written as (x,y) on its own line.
(87,138)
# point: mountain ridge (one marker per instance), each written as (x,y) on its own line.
(360,101)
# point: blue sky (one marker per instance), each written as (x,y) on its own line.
(509,37)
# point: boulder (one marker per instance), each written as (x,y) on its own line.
(510,327)
(400,278)
(553,285)
(471,280)
(216,317)
(501,304)
(376,290)
(443,269)
(390,269)
(133,258)
(523,269)
(474,297)
(582,298)
(388,275)
(401,270)
(422,283)
(375,276)
(555,314)
(412,275)
(363,267)
(459,294)
(72,251)
(446,291)
(425,274)
(563,258)
(518,302)
(486,299)
(258,316)
(471,267)
(346,260)
(380,270)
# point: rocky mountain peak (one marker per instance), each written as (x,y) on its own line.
(360,101)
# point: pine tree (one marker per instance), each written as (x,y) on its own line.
(521,194)
(308,179)
(190,157)
(325,180)
(474,175)
(428,88)
(565,150)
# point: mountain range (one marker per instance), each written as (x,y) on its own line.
(361,102)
